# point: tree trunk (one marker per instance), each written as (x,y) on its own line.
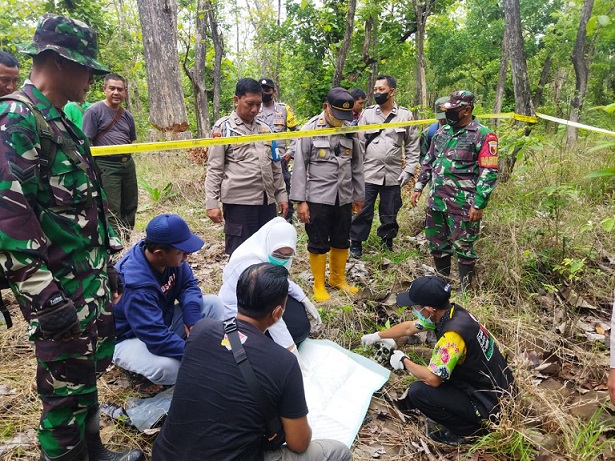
(422,9)
(580,63)
(369,49)
(197,73)
(166,98)
(501,85)
(216,37)
(546,68)
(343,53)
(278,51)
(521,83)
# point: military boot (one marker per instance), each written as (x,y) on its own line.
(443,265)
(77,453)
(387,243)
(466,272)
(95,447)
(356,249)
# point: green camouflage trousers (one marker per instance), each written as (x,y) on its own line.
(66,379)
(448,233)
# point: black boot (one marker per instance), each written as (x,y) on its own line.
(356,249)
(78,453)
(387,243)
(443,265)
(466,272)
(96,449)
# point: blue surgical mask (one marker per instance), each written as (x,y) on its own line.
(423,321)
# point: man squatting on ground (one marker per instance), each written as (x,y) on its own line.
(461,169)
(384,151)
(246,178)
(55,241)
(161,301)
(106,123)
(280,118)
(467,375)
(327,183)
(213,414)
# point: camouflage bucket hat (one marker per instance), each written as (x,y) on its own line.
(459,98)
(70,38)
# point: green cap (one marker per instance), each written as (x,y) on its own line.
(438,108)
(71,39)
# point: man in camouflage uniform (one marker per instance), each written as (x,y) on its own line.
(384,177)
(246,178)
(55,240)
(461,170)
(280,118)
(328,185)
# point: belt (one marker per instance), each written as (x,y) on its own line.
(115,158)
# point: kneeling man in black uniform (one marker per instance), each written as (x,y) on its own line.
(467,375)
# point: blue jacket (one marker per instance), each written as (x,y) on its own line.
(145,311)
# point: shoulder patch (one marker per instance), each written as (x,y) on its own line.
(488,155)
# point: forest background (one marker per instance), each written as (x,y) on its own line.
(547,271)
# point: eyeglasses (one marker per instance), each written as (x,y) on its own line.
(279,255)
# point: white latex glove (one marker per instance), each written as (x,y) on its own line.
(404,177)
(396,360)
(371,339)
(311,310)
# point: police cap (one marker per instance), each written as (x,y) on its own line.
(341,103)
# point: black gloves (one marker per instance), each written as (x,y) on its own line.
(115,282)
(58,319)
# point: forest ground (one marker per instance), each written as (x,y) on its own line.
(544,288)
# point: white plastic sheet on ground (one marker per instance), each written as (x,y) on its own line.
(338,388)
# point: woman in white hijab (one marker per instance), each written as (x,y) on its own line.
(276,243)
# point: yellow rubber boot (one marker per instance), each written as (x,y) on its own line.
(337,269)
(318,264)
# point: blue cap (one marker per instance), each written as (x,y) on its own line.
(170,229)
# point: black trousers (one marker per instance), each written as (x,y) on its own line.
(296,320)
(286,175)
(241,221)
(390,204)
(446,405)
(329,226)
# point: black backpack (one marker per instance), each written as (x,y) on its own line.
(49,146)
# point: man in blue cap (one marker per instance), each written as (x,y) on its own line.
(161,300)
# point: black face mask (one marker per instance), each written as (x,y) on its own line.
(381,98)
(452,116)
(267,97)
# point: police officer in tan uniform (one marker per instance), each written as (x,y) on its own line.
(280,118)
(327,183)
(384,176)
(246,178)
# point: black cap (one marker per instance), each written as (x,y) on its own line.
(341,102)
(429,291)
(267,82)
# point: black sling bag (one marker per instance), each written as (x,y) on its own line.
(274,435)
(375,135)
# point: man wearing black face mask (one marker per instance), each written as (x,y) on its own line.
(280,118)
(384,176)
(461,170)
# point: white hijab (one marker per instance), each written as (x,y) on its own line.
(274,235)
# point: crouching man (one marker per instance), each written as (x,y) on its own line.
(214,414)
(467,375)
(161,300)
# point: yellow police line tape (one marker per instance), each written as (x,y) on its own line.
(218,141)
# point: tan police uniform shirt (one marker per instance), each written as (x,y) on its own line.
(280,118)
(327,167)
(383,157)
(239,173)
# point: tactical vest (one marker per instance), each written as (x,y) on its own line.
(484,375)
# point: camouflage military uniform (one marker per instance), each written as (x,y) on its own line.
(54,237)
(461,170)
